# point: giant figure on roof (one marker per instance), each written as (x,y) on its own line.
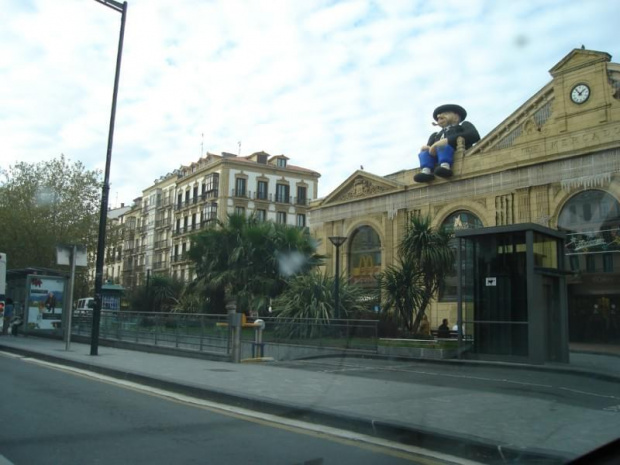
(437,156)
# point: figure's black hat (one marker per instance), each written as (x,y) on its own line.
(459,110)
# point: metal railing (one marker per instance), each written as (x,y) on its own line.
(211,333)
(198,332)
(333,334)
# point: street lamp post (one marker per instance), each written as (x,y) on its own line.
(337,241)
(94,342)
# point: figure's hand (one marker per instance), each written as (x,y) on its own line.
(424,147)
(439,143)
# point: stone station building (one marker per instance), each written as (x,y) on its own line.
(555,161)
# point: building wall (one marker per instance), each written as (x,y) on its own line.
(158,227)
(525,170)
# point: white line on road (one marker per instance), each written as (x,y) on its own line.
(476,378)
(589,393)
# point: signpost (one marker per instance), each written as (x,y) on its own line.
(2,276)
(2,283)
(74,255)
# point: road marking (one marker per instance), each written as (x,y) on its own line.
(589,393)
(384,446)
(613,408)
(477,378)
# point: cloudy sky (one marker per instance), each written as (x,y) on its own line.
(331,84)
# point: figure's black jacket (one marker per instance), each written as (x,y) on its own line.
(465,129)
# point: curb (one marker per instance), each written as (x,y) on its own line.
(416,435)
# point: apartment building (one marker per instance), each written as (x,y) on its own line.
(156,229)
(218,185)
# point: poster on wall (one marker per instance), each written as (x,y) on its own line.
(45,302)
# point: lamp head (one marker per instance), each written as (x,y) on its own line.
(337,240)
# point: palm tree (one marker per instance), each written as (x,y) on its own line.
(164,293)
(251,259)
(430,251)
(308,303)
(403,289)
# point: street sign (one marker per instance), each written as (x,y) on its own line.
(63,255)
(490,281)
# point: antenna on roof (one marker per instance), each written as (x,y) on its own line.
(239,144)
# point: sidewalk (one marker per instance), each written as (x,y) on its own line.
(457,421)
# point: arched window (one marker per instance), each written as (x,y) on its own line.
(591,220)
(364,257)
(590,211)
(461,219)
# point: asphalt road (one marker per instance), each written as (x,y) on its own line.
(565,388)
(53,416)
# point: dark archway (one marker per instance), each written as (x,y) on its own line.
(591,220)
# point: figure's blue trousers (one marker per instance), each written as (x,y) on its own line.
(445,154)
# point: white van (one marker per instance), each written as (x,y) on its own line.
(84,305)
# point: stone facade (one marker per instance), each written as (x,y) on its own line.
(527,169)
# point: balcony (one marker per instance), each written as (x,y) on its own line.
(194,201)
(162,223)
(210,194)
(187,229)
(261,196)
(160,265)
(182,257)
(240,193)
(252,195)
(178,231)
(139,249)
(208,222)
(161,244)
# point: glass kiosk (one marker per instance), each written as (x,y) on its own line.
(512,303)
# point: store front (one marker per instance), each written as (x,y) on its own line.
(591,220)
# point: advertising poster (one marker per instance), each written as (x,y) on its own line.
(45,302)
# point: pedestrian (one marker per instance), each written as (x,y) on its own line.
(425,326)
(443,332)
(8,315)
(50,302)
(15,324)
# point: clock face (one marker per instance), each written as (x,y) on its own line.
(580,93)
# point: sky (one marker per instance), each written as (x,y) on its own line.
(333,85)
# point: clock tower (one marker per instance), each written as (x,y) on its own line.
(582,89)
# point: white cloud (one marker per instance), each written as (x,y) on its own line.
(333,85)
